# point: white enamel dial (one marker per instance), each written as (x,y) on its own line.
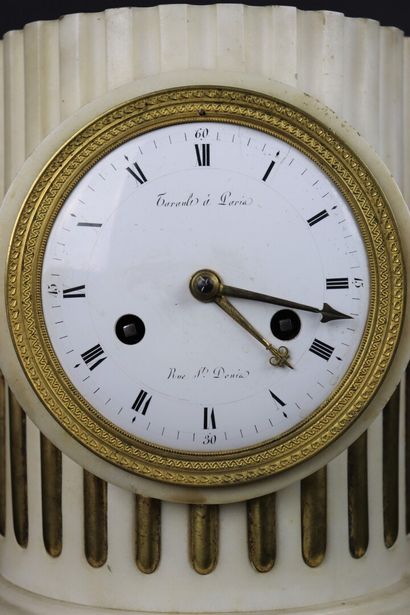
(157,363)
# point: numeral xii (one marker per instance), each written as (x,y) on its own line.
(203,154)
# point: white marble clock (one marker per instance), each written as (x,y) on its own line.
(205,273)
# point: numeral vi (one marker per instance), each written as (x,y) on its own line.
(209,418)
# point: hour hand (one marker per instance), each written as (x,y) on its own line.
(202,291)
(279,355)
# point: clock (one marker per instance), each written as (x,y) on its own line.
(205,291)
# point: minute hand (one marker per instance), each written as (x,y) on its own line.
(328,313)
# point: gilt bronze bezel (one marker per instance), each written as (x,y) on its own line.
(372,214)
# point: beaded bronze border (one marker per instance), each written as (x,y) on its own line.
(192,104)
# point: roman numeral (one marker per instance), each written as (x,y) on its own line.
(276,398)
(74,293)
(337,283)
(141,403)
(137,173)
(209,419)
(90,224)
(280,402)
(269,169)
(203,154)
(322,350)
(318,217)
(91,357)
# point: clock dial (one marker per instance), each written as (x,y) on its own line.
(205,287)
(124,247)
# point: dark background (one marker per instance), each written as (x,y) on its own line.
(14,14)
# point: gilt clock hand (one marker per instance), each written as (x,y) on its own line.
(202,289)
(279,356)
(211,280)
